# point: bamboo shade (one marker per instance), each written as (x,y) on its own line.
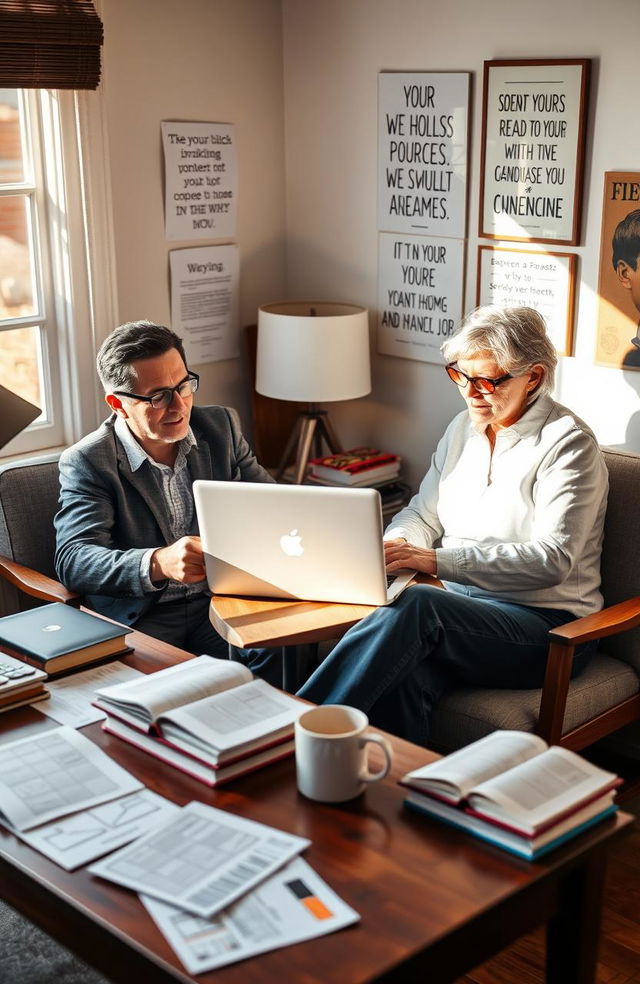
(49,44)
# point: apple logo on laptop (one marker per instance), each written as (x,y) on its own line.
(291,544)
(51,628)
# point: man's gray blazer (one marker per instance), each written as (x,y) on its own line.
(109,516)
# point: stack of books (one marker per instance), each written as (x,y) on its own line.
(209,717)
(19,684)
(513,790)
(357,467)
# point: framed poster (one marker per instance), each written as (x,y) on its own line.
(533,137)
(422,152)
(618,332)
(420,283)
(541,280)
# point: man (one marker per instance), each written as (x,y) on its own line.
(625,248)
(126,532)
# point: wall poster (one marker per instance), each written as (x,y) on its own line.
(422,152)
(533,137)
(204,302)
(618,332)
(541,280)
(201,180)
(420,283)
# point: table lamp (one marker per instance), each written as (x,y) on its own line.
(312,352)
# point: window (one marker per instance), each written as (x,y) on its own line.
(47,305)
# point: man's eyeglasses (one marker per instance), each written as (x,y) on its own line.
(163,398)
(480,383)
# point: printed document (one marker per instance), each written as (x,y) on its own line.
(55,773)
(71,697)
(293,905)
(201,860)
(83,837)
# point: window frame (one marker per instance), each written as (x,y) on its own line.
(75,239)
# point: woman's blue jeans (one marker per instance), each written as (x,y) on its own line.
(397,662)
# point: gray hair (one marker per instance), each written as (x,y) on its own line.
(516,337)
(128,343)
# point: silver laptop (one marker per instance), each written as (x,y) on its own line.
(315,543)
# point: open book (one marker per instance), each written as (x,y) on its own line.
(514,781)
(211,710)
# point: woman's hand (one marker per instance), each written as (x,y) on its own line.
(399,554)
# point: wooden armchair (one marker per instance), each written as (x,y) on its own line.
(604,698)
(28,503)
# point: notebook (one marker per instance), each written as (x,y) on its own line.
(15,414)
(315,543)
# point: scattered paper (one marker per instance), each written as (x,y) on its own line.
(83,837)
(201,860)
(293,905)
(70,698)
(50,775)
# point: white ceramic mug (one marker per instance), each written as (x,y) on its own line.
(331,753)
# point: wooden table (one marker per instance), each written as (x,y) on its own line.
(254,622)
(433,902)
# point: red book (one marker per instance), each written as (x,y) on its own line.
(349,467)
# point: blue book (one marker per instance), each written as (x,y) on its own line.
(529,848)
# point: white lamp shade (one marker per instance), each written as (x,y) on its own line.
(313,352)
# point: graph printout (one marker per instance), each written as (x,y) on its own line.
(49,775)
(83,837)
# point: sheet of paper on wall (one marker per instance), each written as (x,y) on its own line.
(204,301)
(201,860)
(293,905)
(201,180)
(82,837)
(54,773)
(71,696)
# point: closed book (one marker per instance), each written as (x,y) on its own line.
(58,637)
(346,465)
(365,477)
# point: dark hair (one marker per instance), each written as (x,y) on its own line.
(626,240)
(127,344)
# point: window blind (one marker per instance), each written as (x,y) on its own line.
(49,44)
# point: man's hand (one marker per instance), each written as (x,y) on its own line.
(399,554)
(180,561)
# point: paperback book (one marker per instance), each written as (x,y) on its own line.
(512,789)
(209,717)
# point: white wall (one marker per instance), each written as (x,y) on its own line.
(205,60)
(333,51)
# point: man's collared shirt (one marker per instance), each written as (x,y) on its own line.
(176,489)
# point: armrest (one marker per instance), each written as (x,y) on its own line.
(609,621)
(35,584)
(564,639)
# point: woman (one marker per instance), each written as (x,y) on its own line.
(509,517)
